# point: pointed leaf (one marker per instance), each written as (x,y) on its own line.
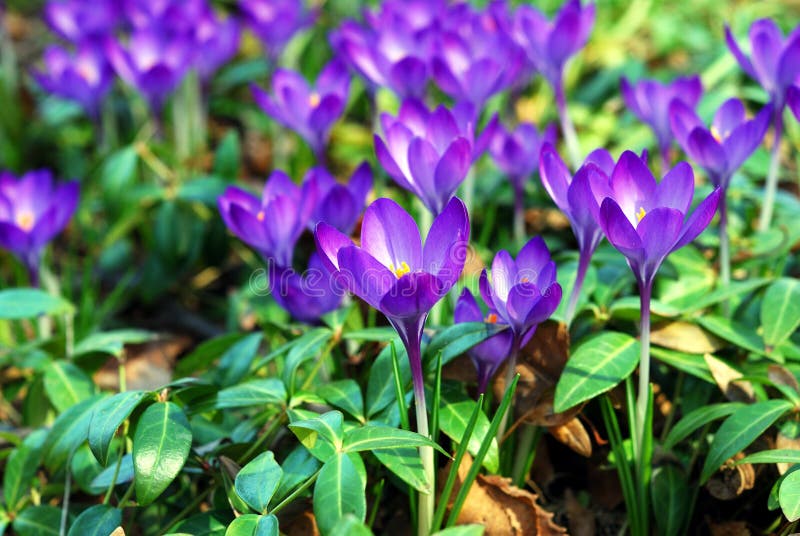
(454,412)
(780,311)
(38,521)
(339,490)
(70,429)
(454,340)
(772,456)
(789,496)
(670,492)
(375,436)
(255,393)
(253,525)
(693,420)
(407,465)
(345,395)
(107,418)
(305,347)
(21,467)
(380,385)
(258,480)
(235,362)
(66,384)
(18,303)
(98,520)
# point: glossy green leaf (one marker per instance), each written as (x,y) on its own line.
(670,493)
(38,521)
(407,465)
(107,418)
(339,490)
(205,354)
(789,496)
(101,482)
(349,525)
(253,525)
(377,334)
(205,524)
(780,311)
(258,480)
(84,468)
(66,384)
(328,425)
(376,436)
(695,419)
(161,446)
(595,367)
(735,288)
(733,332)
(112,342)
(454,340)
(298,466)
(306,347)
(17,303)
(739,430)
(235,362)
(380,385)
(345,395)
(97,520)
(454,412)
(254,393)
(772,456)
(20,468)
(69,430)
(693,364)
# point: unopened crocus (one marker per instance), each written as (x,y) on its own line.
(549,45)
(579,198)
(79,20)
(309,110)
(339,205)
(424,152)
(649,100)
(307,296)
(402,278)
(775,63)
(491,353)
(646,221)
(34,209)
(272,224)
(275,22)
(516,153)
(83,77)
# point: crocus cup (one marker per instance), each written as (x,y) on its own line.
(339,205)
(306,296)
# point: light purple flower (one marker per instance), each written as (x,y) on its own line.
(275,22)
(216,42)
(339,205)
(516,152)
(79,20)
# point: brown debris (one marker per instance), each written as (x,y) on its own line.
(783,441)
(732,480)
(148,365)
(574,435)
(727,379)
(729,528)
(580,520)
(684,337)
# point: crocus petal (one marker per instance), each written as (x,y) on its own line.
(445,78)
(504,274)
(329,241)
(699,219)
(422,162)
(676,188)
(602,159)
(364,275)
(13,238)
(746,138)
(729,116)
(412,295)
(793,100)
(766,43)
(545,307)
(442,129)
(683,120)
(532,258)
(388,163)
(555,176)
(633,184)
(361,182)
(618,229)
(248,228)
(339,209)
(789,64)
(521,299)
(733,46)
(485,289)
(453,167)
(391,236)
(326,113)
(447,244)
(707,151)
(659,231)
(408,77)
(467,309)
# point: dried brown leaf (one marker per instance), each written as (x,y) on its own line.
(732,480)
(727,379)
(119,531)
(574,435)
(780,375)
(684,337)
(581,520)
(148,365)
(304,524)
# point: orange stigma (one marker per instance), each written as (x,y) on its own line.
(314,99)
(492,318)
(260,215)
(25,220)
(716,134)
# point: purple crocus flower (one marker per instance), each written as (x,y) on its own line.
(793,101)
(79,20)
(272,224)
(153,62)
(489,354)
(308,296)
(309,111)
(83,77)
(425,152)
(216,41)
(649,100)
(275,22)
(339,205)
(33,209)
(579,198)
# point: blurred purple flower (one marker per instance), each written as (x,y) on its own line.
(33,209)
(305,296)
(79,20)
(216,42)
(489,354)
(275,22)
(83,77)
(722,148)
(339,205)
(516,152)
(425,152)
(645,220)
(393,48)
(649,100)
(152,62)
(273,223)
(167,16)
(793,100)
(309,111)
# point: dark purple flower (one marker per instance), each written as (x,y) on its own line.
(216,42)
(490,354)
(83,77)
(393,48)
(275,22)
(309,111)
(273,223)
(793,100)
(425,152)
(549,44)
(168,16)
(79,20)
(523,292)
(152,62)
(774,61)
(516,152)
(723,147)
(474,57)
(339,205)
(33,209)
(649,100)
(645,220)
(305,296)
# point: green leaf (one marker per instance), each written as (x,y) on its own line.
(733,332)
(349,525)
(107,418)
(377,334)
(21,467)
(204,355)
(38,521)
(454,412)
(17,303)
(98,520)
(228,156)
(772,456)
(376,436)
(112,342)
(102,481)
(205,189)
(252,394)
(161,445)
(739,430)
(670,493)
(345,395)
(84,468)
(328,425)
(258,480)
(298,466)
(462,530)
(789,496)
(119,173)
(407,465)
(253,525)
(454,340)
(66,384)
(69,430)
(693,364)
(597,365)
(380,385)
(727,292)
(206,524)
(339,490)
(306,347)
(700,417)
(780,311)
(235,362)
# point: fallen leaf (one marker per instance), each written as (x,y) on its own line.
(303,524)
(732,480)
(684,337)
(541,219)
(148,365)
(574,435)
(119,531)
(782,376)
(580,520)
(727,379)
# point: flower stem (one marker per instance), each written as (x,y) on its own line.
(511,370)
(519,212)
(724,248)
(583,266)
(645,291)
(567,128)
(771,187)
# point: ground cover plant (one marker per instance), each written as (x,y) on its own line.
(399,267)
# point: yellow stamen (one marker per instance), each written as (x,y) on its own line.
(491,319)
(260,215)
(314,99)
(25,220)
(641,214)
(525,280)
(400,272)
(716,134)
